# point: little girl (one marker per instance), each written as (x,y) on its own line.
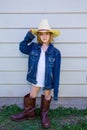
(43,71)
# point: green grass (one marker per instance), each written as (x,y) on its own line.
(61,119)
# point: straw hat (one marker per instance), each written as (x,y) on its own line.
(44,27)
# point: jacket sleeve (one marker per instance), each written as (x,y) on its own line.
(24,45)
(57,74)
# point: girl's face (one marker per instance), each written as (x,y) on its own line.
(45,36)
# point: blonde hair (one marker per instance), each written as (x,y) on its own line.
(39,38)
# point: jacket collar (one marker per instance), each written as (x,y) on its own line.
(50,49)
(39,45)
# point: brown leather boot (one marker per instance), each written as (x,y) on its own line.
(29,109)
(45,106)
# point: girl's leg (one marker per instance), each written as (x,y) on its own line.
(47,94)
(34,91)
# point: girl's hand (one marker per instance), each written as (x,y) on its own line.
(31,30)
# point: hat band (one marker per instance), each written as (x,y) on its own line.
(40,30)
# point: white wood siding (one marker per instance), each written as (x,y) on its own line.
(17,17)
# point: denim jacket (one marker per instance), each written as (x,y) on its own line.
(52,63)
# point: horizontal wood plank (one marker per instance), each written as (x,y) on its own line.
(66,77)
(78,64)
(67,50)
(27,6)
(73,91)
(20,64)
(55,20)
(64,90)
(67,35)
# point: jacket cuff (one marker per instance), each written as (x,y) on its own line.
(30,35)
(56,98)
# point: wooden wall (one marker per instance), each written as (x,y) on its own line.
(17,17)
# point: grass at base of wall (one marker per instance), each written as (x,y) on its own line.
(61,119)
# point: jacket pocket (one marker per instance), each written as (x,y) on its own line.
(33,56)
(51,62)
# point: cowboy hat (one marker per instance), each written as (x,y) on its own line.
(44,27)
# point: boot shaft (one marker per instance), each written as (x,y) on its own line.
(45,106)
(29,102)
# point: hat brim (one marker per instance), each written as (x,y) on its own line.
(53,31)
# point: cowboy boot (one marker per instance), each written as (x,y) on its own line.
(29,109)
(45,106)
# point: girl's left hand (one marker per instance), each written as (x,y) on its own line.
(31,30)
